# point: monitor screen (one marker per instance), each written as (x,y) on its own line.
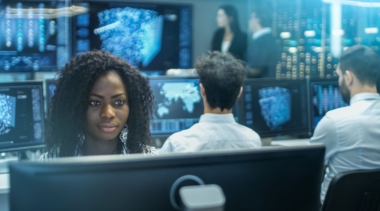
(35,35)
(150,36)
(178,104)
(273,107)
(325,96)
(21,115)
(257,179)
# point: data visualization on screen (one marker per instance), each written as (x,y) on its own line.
(151,37)
(325,96)
(21,114)
(35,35)
(178,104)
(274,108)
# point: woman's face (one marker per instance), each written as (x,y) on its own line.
(108,108)
(222,19)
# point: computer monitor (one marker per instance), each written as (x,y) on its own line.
(272,178)
(275,107)
(34,35)
(178,104)
(21,115)
(324,96)
(150,36)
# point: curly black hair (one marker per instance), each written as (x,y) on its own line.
(67,113)
(222,76)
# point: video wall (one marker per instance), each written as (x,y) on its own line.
(42,36)
(313,34)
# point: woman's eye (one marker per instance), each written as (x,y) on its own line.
(119,102)
(94,103)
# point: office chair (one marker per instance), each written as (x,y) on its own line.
(354,191)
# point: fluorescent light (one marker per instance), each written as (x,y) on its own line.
(373,30)
(353,3)
(285,35)
(292,50)
(317,49)
(338,32)
(310,33)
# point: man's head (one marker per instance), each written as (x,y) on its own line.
(260,18)
(358,69)
(221,77)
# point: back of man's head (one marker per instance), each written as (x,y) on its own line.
(265,16)
(363,62)
(222,76)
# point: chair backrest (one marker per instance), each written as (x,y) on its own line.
(354,191)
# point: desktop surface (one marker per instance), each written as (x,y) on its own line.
(273,178)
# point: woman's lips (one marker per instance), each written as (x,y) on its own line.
(107,127)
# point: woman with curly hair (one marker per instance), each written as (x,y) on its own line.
(101,106)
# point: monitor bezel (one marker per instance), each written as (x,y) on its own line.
(28,145)
(269,134)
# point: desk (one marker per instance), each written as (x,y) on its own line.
(291,142)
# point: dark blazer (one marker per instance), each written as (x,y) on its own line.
(238,45)
(263,54)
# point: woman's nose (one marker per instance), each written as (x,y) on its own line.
(107,112)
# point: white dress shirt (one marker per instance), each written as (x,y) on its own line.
(261,32)
(225,46)
(351,135)
(213,132)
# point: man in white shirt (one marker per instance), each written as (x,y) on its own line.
(352,134)
(262,53)
(221,79)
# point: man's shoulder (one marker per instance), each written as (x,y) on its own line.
(246,130)
(339,113)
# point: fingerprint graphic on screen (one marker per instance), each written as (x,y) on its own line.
(7,113)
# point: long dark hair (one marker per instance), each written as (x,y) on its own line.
(231,12)
(67,113)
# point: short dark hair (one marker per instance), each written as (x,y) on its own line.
(232,13)
(222,76)
(67,114)
(265,16)
(363,62)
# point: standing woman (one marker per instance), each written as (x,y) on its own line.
(228,37)
(102,106)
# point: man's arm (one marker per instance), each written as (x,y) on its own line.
(167,147)
(325,133)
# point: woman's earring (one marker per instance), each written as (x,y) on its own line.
(124,134)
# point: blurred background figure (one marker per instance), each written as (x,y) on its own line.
(262,53)
(229,37)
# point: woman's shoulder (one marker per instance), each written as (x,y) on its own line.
(149,150)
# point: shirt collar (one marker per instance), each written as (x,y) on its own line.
(261,32)
(364,96)
(217,118)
